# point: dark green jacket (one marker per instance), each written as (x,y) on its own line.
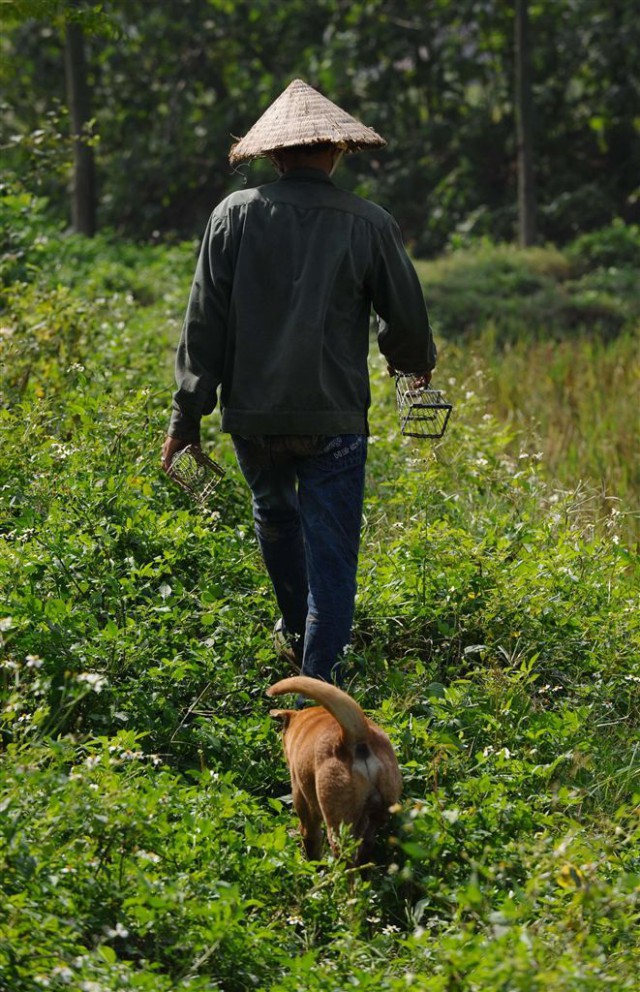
(279,311)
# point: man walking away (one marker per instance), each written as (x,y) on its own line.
(278,321)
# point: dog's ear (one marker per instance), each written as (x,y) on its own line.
(284,716)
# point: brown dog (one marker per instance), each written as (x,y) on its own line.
(343,768)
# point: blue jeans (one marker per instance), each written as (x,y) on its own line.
(307,507)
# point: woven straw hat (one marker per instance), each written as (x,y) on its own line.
(302,116)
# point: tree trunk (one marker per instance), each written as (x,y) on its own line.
(524,127)
(83,205)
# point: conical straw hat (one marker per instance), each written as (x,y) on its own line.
(302,116)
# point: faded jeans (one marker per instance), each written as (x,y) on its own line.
(307,508)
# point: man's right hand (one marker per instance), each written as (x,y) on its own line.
(170,447)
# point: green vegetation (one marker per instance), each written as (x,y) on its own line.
(148,843)
(540,292)
(554,338)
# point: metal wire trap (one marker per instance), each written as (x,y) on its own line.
(195,472)
(424,412)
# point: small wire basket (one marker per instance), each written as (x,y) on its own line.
(195,472)
(424,412)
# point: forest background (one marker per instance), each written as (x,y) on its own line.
(165,86)
(148,841)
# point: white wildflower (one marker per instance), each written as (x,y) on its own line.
(95,681)
(149,856)
(62,450)
(128,755)
(62,973)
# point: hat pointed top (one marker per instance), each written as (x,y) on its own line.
(303,116)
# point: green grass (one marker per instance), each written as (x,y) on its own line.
(572,404)
(148,840)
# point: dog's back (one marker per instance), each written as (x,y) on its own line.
(343,767)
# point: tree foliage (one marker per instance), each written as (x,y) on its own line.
(174,82)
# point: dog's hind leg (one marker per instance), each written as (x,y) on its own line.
(367,830)
(310,826)
(337,799)
(312,840)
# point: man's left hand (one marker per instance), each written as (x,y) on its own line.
(420,381)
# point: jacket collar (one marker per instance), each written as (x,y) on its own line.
(306,175)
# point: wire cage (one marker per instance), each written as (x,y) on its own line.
(195,472)
(424,412)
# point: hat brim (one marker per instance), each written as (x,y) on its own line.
(303,117)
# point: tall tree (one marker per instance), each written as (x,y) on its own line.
(524,126)
(83,197)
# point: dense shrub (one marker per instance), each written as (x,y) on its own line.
(617,245)
(538,292)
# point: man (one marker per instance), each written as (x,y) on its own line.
(278,318)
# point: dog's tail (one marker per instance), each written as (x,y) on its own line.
(341,706)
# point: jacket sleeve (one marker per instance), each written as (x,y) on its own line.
(201,350)
(404,334)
